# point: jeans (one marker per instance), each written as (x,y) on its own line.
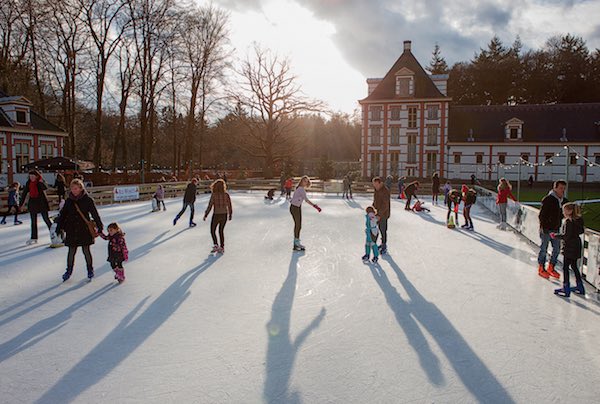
(383,229)
(185,205)
(34,228)
(218,219)
(502,209)
(545,236)
(297,215)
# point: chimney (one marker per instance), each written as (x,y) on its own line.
(407,46)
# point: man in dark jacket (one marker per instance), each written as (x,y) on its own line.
(188,200)
(381,202)
(550,220)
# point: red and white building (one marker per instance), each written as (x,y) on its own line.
(405,121)
(25,136)
(410,128)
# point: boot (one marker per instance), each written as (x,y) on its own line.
(564,291)
(579,289)
(3,221)
(120,275)
(90,273)
(67,274)
(542,272)
(552,272)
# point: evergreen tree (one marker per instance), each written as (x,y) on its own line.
(438,64)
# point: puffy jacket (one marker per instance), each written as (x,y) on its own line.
(570,236)
(39,204)
(72,223)
(551,212)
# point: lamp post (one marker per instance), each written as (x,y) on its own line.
(566,170)
(447,160)
(519,181)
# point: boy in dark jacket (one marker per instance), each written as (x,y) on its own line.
(470,199)
(411,191)
(381,203)
(572,229)
(188,200)
(13,203)
(550,220)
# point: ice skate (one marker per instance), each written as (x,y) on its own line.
(365,257)
(542,272)
(214,249)
(565,291)
(552,272)
(374,260)
(31,241)
(192,224)
(18,222)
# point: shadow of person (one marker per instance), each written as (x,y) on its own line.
(124,339)
(281,349)
(515,253)
(401,308)
(352,203)
(146,248)
(46,327)
(476,377)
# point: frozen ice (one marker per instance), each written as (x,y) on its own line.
(448,316)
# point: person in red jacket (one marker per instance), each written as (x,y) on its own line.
(504,192)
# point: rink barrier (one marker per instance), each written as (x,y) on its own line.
(524,220)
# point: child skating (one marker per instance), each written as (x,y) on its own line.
(117,250)
(453,202)
(296,210)
(221,202)
(159,196)
(289,184)
(13,203)
(572,229)
(372,232)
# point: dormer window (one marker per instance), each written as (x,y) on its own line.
(405,83)
(21,117)
(471,138)
(513,130)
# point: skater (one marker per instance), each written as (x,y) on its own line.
(550,220)
(435,188)
(447,188)
(282,181)
(572,229)
(221,201)
(401,182)
(453,202)
(372,232)
(389,180)
(117,250)
(188,201)
(504,192)
(13,203)
(159,195)
(350,185)
(74,220)
(381,202)
(419,207)
(35,189)
(345,184)
(411,192)
(530,181)
(289,184)
(59,184)
(296,210)
(470,197)
(270,194)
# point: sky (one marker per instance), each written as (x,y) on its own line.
(334,45)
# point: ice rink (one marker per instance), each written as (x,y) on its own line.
(449,316)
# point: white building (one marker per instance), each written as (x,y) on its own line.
(410,128)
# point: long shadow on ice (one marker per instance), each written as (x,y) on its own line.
(146,248)
(124,339)
(282,350)
(402,310)
(474,374)
(38,304)
(46,327)
(502,248)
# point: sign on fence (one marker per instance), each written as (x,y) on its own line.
(126,193)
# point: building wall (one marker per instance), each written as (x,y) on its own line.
(389,126)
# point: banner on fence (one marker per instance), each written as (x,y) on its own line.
(126,193)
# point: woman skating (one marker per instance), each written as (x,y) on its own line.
(221,202)
(296,210)
(35,189)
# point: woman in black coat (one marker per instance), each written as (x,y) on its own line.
(570,235)
(35,188)
(59,184)
(77,232)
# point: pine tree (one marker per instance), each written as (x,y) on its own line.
(438,64)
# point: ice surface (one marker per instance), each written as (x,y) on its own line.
(447,316)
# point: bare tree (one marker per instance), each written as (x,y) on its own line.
(204,39)
(152,27)
(105,22)
(62,45)
(127,62)
(269,103)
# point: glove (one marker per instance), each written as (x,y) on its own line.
(229,217)
(317,208)
(552,235)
